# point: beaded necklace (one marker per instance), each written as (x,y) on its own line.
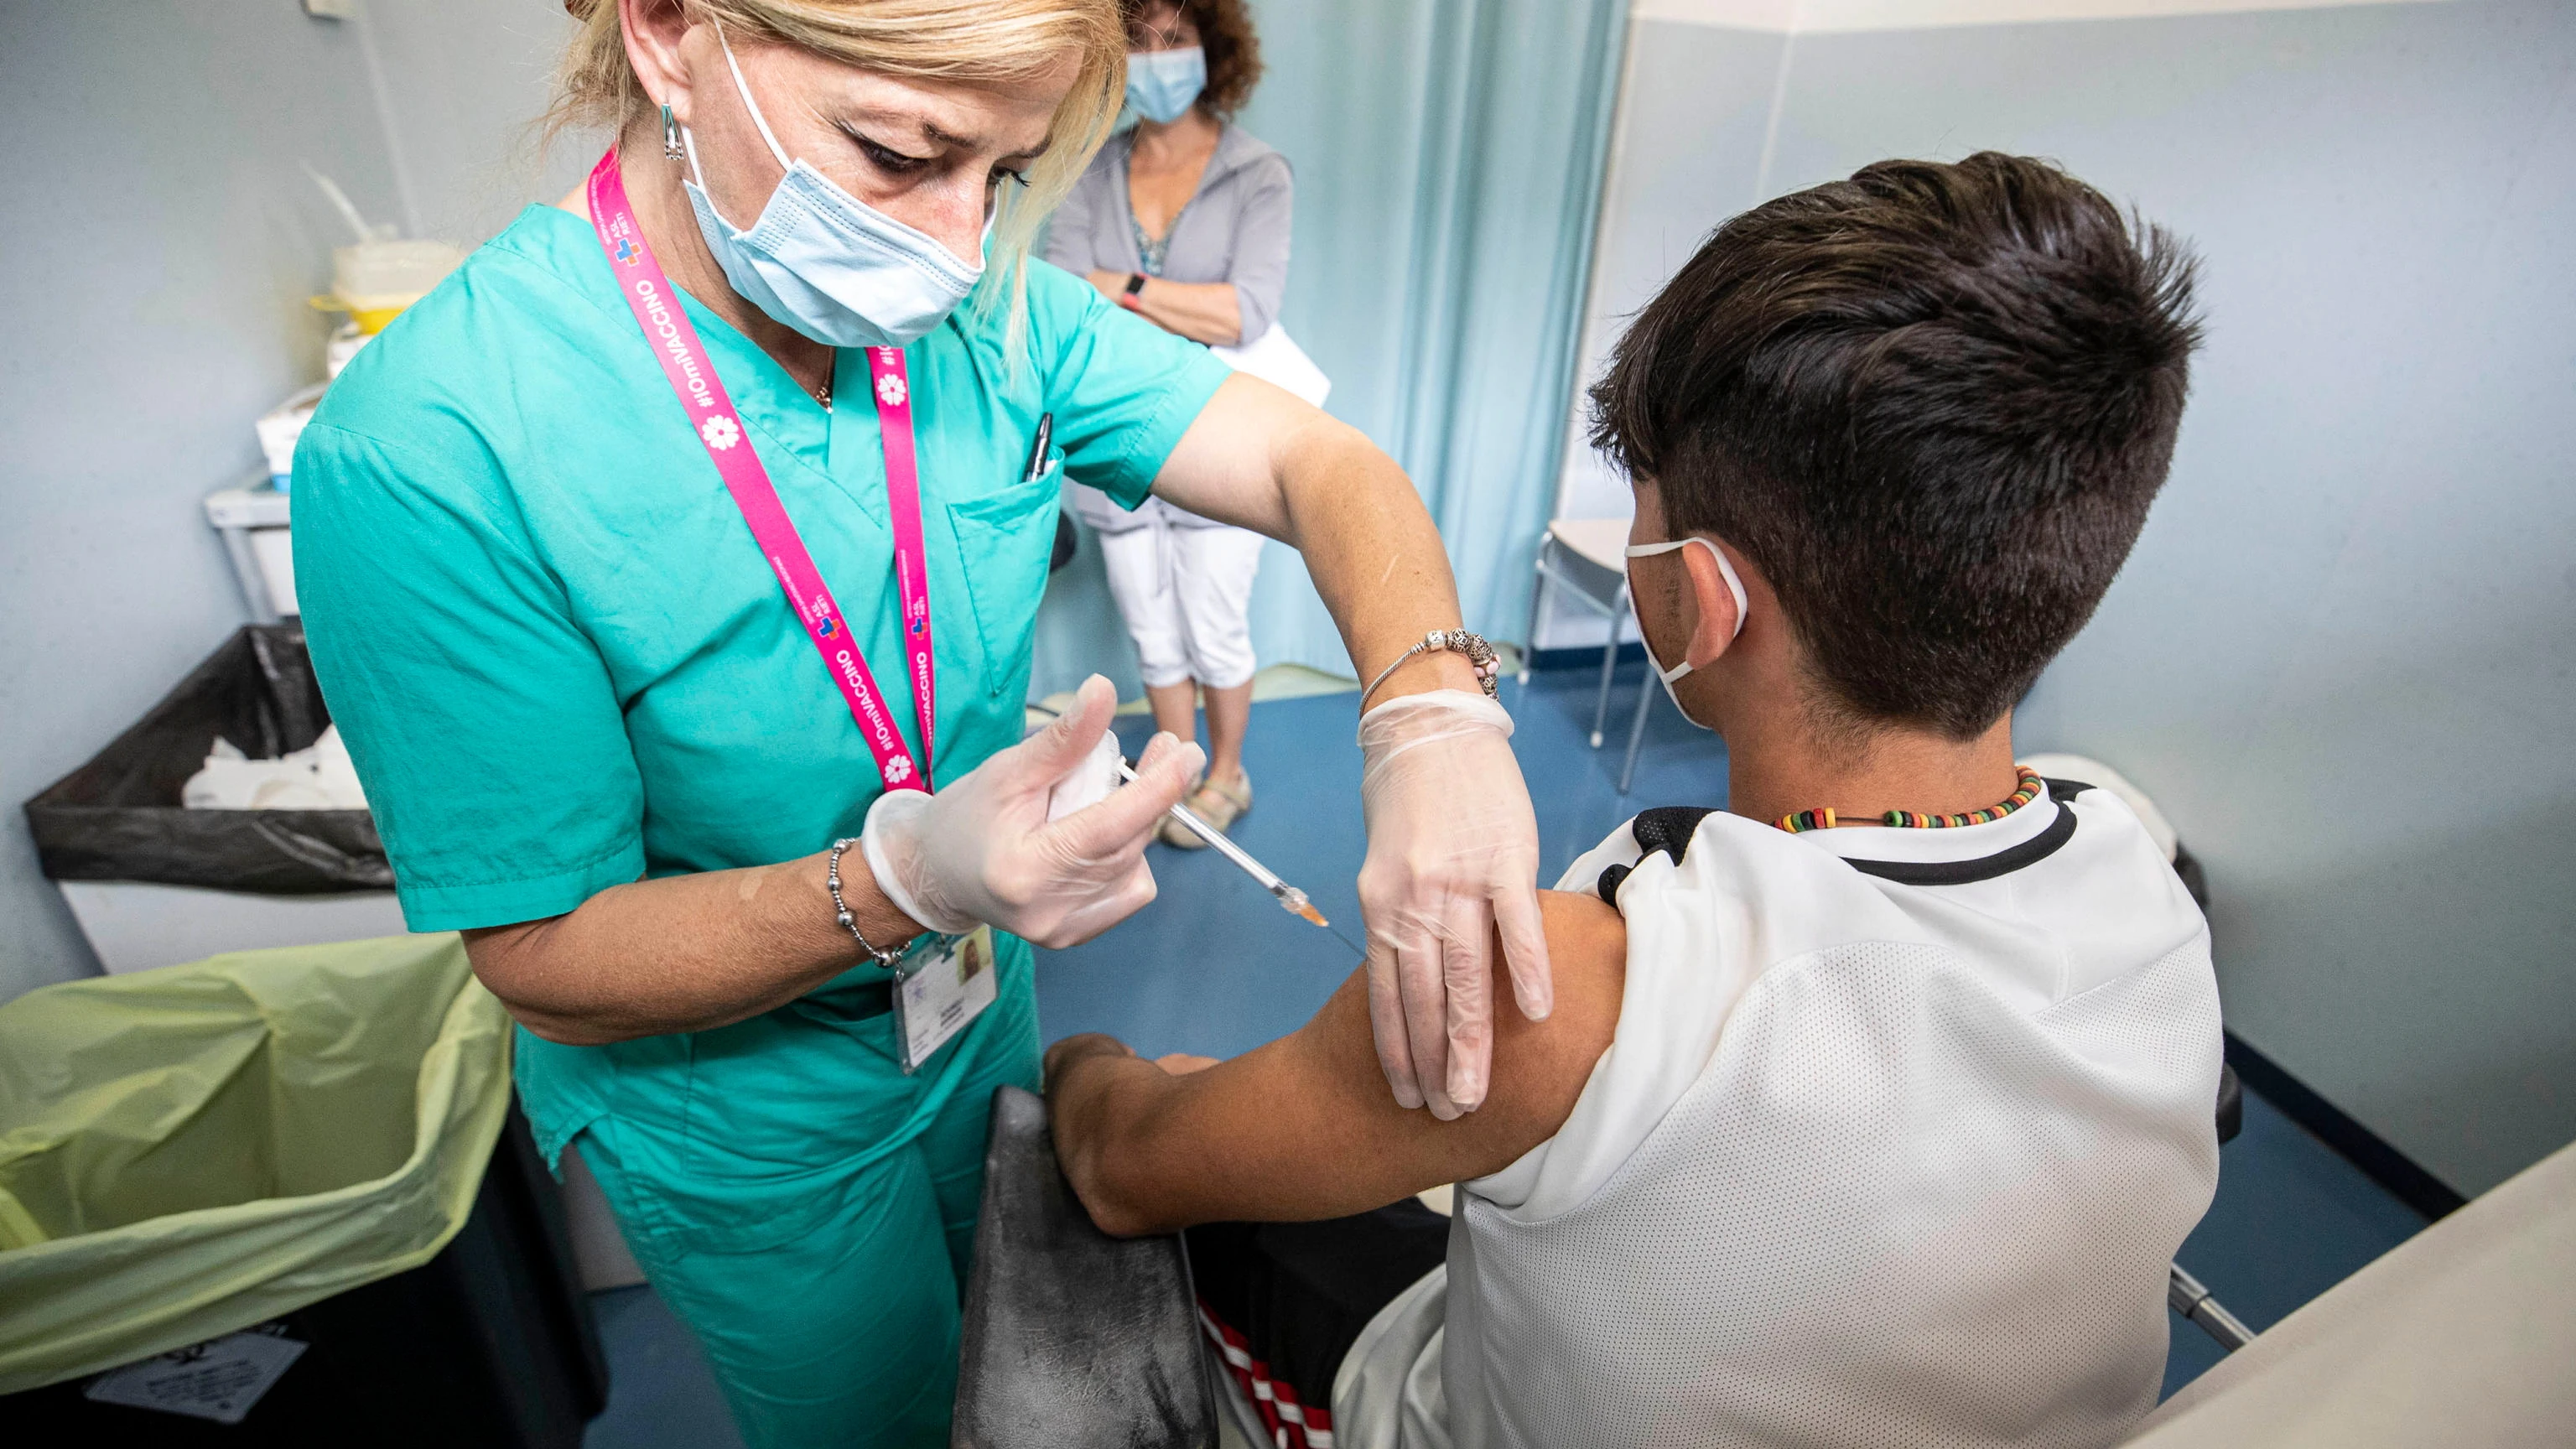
(1825,819)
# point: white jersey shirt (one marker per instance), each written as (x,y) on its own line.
(1895,1140)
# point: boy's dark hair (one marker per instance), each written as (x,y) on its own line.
(1931,403)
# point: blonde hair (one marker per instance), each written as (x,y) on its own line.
(971,42)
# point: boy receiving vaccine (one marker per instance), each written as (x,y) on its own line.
(1875,1104)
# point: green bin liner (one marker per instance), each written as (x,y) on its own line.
(191,1151)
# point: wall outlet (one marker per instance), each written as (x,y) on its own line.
(331,9)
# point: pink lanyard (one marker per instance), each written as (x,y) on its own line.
(657,308)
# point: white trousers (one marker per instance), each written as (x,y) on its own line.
(1185,588)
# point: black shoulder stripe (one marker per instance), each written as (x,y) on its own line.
(1667,828)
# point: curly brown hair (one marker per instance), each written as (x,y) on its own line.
(1233,50)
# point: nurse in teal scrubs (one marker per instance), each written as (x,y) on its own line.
(601,741)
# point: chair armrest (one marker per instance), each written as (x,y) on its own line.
(1072,1338)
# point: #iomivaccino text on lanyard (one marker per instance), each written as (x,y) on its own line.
(658,310)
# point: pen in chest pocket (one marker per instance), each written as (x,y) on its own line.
(1037,465)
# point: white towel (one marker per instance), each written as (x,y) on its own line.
(318,778)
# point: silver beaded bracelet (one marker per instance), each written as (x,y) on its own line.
(1480,656)
(841,908)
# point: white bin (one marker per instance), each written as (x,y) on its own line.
(136,926)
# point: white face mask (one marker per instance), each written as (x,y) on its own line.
(826,263)
(1734,586)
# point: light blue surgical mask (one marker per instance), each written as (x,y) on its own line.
(1162,83)
(1734,586)
(826,263)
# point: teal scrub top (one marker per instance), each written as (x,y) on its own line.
(549,641)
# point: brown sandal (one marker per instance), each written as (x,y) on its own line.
(1219,804)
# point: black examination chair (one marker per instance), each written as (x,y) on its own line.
(1072,1338)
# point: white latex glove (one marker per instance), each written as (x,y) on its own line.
(983,852)
(1452,856)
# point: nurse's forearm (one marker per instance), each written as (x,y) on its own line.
(1209,312)
(683,953)
(1376,559)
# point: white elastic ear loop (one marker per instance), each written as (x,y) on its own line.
(698,179)
(750,105)
(689,143)
(1725,571)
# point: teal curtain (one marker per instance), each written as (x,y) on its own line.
(1448,158)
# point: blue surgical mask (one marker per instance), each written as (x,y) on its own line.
(1162,83)
(826,263)
(1734,586)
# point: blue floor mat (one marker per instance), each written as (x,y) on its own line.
(2292,1219)
(661,1394)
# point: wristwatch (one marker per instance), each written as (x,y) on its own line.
(1135,289)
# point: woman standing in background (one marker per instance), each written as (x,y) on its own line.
(1183,219)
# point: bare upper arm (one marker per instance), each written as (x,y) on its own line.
(1306,1127)
(1229,462)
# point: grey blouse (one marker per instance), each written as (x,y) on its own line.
(1233,229)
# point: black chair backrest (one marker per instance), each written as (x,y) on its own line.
(1072,1337)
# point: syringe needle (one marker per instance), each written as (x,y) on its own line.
(1291,898)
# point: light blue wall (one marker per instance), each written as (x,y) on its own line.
(460,85)
(1695,111)
(157,245)
(2343,657)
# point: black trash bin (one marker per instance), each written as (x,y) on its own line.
(118,817)
(489,1345)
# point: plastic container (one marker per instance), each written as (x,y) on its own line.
(153,883)
(373,281)
(345,341)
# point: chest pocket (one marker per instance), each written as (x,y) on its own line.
(1003,540)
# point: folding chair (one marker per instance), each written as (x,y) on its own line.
(2183,1292)
(1588,558)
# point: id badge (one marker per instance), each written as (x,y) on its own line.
(943,985)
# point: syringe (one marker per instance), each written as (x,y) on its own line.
(1289,896)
